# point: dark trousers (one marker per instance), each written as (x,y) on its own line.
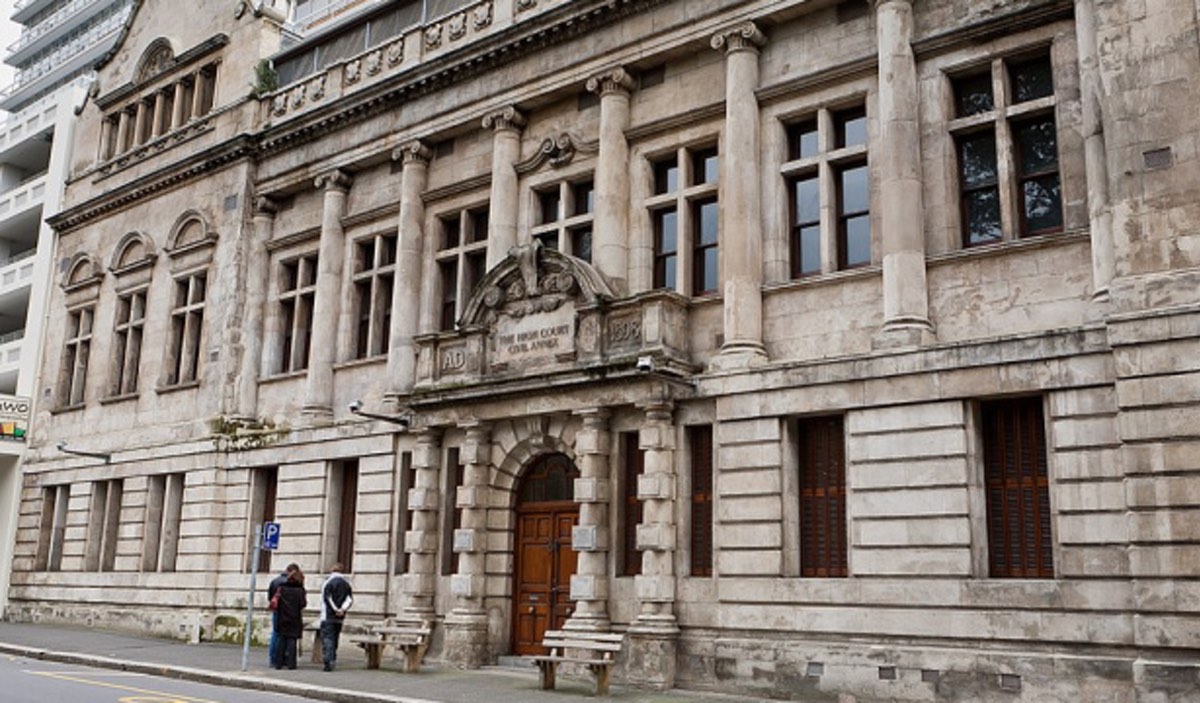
(287,651)
(273,645)
(330,632)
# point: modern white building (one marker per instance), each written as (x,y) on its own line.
(59,43)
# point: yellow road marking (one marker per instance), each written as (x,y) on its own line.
(160,697)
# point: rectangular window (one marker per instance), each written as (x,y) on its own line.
(1006,141)
(1017,485)
(634,460)
(706,166)
(404,522)
(822,482)
(705,225)
(341,513)
(164,512)
(52,527)
(451,513)
(75,355)
(700,447)
(264,492)
(565,218)
(127,351)
(373,277)
(104,524)
(297,295)
(187,326)
(461,262)
(829,191)
(666,247)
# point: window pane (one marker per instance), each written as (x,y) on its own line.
(666,176)
(1042,202)
(857,244)
(973,95)
(549,203)
(1037,146)
(808,201)
(854,195)
(809,245)
(982,215)
(705,166)
(803,141)
(581,244)
(1031,79)
(977,159)
(583,198)
(668,272)
(548,240)
(668,223)
(851,126)
(478,220)
(707,214)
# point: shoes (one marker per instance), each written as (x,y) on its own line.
(329,667)
(276,667)
(292,668)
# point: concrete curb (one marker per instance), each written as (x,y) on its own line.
(335,695)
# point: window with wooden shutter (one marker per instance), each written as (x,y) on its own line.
(822,463)
(700,444)
(1018,489)
(635,465)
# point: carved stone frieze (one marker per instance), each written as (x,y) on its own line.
(523,5)
(395,52)
(353,71)
(433,36)
(557,151)
(456,26)
(481,16)
(316,88)
(374,62)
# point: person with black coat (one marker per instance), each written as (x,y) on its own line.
(292,601)
(272,588)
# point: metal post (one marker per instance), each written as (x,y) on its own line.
(250,600)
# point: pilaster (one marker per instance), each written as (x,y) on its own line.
(610,246)
(318,399)
(466,624)
(741,201)
(506,126)
(589,584)
(1095,151)
(257,273)
(421,542)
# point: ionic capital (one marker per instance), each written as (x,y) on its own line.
(616,80)
(414,152)
(508,118)
(743,37)
(336,180)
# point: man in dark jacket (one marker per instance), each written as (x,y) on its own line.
(272,589)
(292,602)
(336,599)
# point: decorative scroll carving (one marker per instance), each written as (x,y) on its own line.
(744,37)
(558,151)
(533,280)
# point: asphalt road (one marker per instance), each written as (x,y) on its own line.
(32,681)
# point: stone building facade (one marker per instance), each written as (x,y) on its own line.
(824,348)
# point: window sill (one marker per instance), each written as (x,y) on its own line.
(64,409)
(188,385)
(823,279)
(355,363)
(1005,246)
(283,376)
(114,399)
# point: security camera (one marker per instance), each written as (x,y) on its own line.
(645,364)
(61,446)
(355,407)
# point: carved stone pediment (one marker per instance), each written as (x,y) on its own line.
(532,279)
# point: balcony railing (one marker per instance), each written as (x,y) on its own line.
(63,54)
(31,120)
(27,195)
(42,28)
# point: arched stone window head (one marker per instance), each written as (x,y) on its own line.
(134,251)
(80,273)
(157,57)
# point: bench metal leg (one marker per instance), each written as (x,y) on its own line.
(547,674)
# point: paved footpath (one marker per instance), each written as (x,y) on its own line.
(351,683)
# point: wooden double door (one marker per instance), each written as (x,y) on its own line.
(544,558)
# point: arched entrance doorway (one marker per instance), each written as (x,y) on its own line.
(544,559)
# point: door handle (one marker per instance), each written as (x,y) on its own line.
(532,610)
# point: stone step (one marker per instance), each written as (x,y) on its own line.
(510,661)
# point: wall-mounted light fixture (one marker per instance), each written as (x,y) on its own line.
(404,421)
(62,447)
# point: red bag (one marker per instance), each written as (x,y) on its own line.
(274,604)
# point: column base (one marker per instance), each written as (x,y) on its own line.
(588,622)
(466,644)
(739,355)
(316,414)
(904,333)
(653,655)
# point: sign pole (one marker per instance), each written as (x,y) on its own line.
(250,600)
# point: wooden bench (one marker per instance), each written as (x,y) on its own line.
(409,636)
(595,650)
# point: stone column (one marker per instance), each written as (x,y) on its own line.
(199,83)
(467,624)
(156,123)
(421,542)
(139,122)
(741,249)
(610,245)
(406,291)
(589,584)
(318,398)
(506,126)
(177,106)
(257,274)
(106,135)
(654,634)
(1094,151)
(123,127)
(898,155)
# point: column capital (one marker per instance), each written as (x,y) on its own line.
(880,3)
(742,37)
(658,409)
(593,414)
(412,152)
(615,80)
(335,180)
(265,206)
(508,118)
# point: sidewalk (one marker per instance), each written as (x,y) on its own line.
(351,682)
